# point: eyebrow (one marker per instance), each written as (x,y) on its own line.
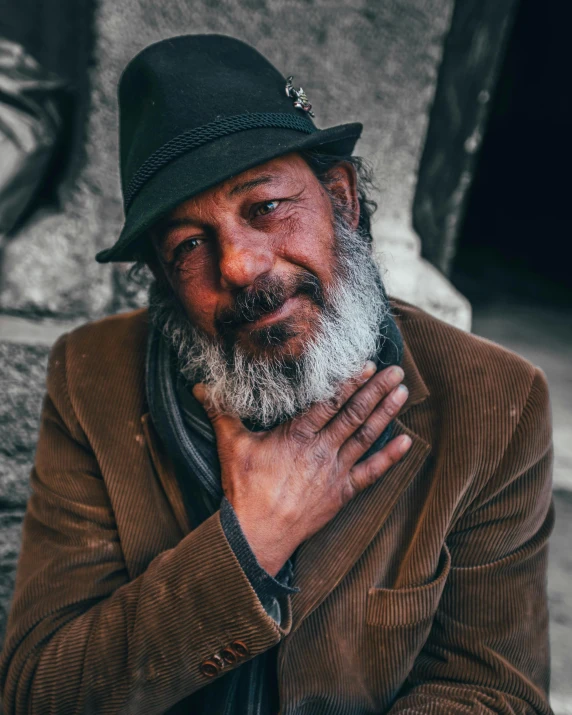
(252,184)
(168,224)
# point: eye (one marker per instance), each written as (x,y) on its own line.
(266,208)
(185,247)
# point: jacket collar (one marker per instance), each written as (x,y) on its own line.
(418,391)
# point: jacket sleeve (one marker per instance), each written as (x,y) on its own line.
(269,590)
(81,636)
(488,649)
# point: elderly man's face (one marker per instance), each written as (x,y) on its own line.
(251,259)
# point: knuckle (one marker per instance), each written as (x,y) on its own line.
(383,386)
(373,472)
(300,436)
(311,422)
(365,435)
(331,407)
(356,412)
(389,406)
(393,454)
(383,465)
(388,457)
(335,403)
(352,387)
(349,489)
(324,412)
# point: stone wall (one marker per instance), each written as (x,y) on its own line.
(358,61)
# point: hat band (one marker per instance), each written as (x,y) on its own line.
(193,138)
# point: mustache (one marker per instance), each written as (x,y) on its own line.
(267,294)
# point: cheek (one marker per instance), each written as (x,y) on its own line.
(310,244)
(197,292)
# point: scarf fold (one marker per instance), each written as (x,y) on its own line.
(189,439)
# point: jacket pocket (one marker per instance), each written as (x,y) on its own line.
(389,607)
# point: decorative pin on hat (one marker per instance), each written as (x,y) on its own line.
(299,97)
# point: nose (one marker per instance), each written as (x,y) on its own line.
(244,256)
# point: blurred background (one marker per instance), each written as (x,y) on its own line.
(466,106)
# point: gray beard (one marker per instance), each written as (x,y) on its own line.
(266,390)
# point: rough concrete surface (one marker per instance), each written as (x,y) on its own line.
(10,534)
(49,268)
(411,278)
(22,386)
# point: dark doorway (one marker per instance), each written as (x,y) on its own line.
(515,239)
(513,257)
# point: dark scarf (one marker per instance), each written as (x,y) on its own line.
(189,439)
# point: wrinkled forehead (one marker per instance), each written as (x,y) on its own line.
(284,170)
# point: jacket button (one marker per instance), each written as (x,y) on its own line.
(229,656)
(209,668)
(240,648)
(220,663)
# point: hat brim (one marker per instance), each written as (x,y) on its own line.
(211,164)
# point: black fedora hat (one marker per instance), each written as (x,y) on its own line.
(196,110)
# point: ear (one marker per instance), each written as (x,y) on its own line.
(342,185)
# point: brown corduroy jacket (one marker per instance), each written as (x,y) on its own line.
(425,594)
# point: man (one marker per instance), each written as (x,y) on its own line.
(228,516)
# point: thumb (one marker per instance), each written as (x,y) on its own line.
(224,425)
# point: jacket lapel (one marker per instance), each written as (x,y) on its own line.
(166,473)
(323,560)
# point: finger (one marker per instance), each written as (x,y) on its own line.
(369,471)
(224,425)
(359,407)
(362,439)
(322,412)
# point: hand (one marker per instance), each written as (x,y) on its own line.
(287,483)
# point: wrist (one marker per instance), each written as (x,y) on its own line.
(269,544)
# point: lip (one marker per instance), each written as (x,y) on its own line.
(279,314)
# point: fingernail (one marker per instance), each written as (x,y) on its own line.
(369,368)
(401,393)
(404,443)
(199,392)
(396,373)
